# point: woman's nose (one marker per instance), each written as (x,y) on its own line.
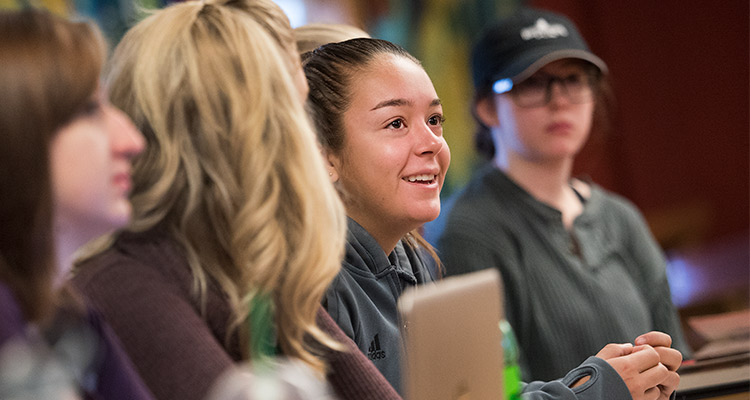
(429,141)
(557,94)
(126,138)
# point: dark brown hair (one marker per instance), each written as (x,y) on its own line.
(329,70)
(50,70)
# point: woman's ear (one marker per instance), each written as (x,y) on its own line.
(332,165)
(486,112)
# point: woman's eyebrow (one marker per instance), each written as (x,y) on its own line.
(392,103)
(402,102)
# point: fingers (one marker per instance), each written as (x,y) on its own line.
(641,371)
(654,382)
(655,375)
(661,342)
(671,358)
(665,372)
(654,339)
(648,368)
(645,357)
(669,385)
(613,350)
(650,394)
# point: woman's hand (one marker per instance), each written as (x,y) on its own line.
(639,367)
(669,357)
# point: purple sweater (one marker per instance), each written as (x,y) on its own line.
(11,320)
(109,373)
(143,287)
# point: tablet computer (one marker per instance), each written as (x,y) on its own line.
(451,338)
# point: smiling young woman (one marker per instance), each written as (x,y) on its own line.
(393,161)
(382,136)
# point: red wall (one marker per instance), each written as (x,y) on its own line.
(681,140)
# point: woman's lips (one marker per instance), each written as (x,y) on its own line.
(123,182)
(559,127)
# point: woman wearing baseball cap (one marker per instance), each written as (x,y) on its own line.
(580,266)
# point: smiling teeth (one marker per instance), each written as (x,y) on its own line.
(421,178)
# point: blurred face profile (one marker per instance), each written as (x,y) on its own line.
(90,169)
(394,157)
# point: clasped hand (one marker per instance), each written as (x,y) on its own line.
(649,367)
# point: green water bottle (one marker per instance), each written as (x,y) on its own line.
(512,371)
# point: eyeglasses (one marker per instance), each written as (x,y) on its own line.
(536,91)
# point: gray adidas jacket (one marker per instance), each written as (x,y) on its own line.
(362,301)
(362,298)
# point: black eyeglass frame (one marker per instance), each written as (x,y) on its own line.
(590,76)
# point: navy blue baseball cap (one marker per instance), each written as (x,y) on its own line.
(519,45)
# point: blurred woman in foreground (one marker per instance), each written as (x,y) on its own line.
(65,154)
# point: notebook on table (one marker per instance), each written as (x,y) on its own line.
(452,338)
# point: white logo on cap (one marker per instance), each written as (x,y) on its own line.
(543,30)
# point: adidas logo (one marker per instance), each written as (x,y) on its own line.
(543,30)
(374,352)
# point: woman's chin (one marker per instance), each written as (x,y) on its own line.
(426,215)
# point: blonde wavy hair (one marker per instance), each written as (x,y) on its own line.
(232,168)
